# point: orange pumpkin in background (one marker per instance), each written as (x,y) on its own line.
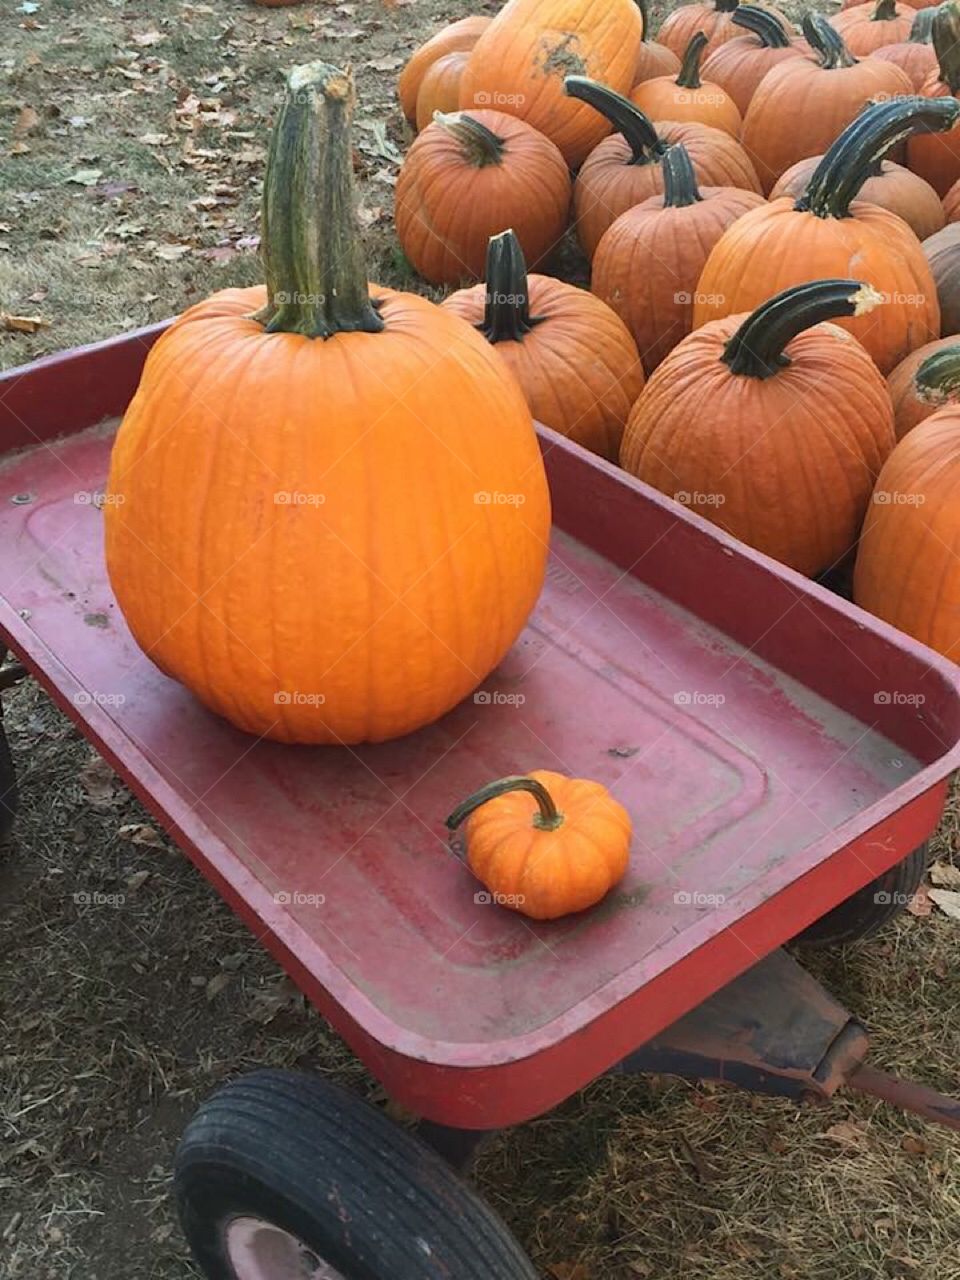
(938,158)
(318,568)
(739,65)
(458,37)
(715,20)
(926,381)
(574,359)
(828,232)
(626,168)
(942,251)
(951,203)
(520,62)
(868,27)
(686,97)
(440,87)
(654,58)
(467,177)
(916,55)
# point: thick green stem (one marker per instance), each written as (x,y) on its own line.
(827,42)
(726,6)
(921,32)
(689,77)
(644,8)
(549,817)
(766,26)
(886,11)
(756,350)
(506,316)
(679,180)
(938,377)
(851,158)
(945,33)
(645,144)
(316,279)
(480,145)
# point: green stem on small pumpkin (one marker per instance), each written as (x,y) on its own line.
(506,315)
(756,350)
(945,33)
(726,6)
(921,32)
(316,280)
(886,11)
(827,42)
(679,180)
(548,817)
(938,377)
(646,146)
(766,26)
(850,159)
(689,76)
(644,8)
(480,144)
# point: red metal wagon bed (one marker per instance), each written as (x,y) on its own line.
(778,749)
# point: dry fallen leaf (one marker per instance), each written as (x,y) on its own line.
(947,900)
(171,252)
(99,782)
(945,875)
(22,324)
(568,1271)
(920,904)
(914,1146)
(19,149)
(137,880)
(26,122)
(847,1133)
(217,984)
(86,177)
(141,833)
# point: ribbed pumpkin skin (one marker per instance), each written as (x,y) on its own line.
(826,102)
(793,457)
(440,87)
(863,36)
(392,597)
(608,184)
(908,562)
(942,251)
(519,64)
(578,368)
(936,156)
(456,37)
(772,248)
(654,59)
(649,261)
(896,189)
(911,405)
(446,208)
(917,61)
(951,203)
(718,26)
(663,99)
(739,65)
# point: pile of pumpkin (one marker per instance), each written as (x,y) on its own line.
(748,197)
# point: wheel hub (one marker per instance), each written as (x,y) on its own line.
(257,1250)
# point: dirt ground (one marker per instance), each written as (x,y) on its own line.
(132,138)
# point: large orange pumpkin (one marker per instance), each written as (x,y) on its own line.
(938,158)
(686,97)
(574,359)
(714,19)
(889,185)
(470,175)
(296,529)
(625,169)
(868,27)
(908,562)
(827,232)
(926,381)
(648,262)
(916,55)
(520,62)
(739,65)
(458,37)
(801,105)
(772,425)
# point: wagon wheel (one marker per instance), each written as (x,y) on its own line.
(282,1176)
(867,910)
(8,775)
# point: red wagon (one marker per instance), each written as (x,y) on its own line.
(784,757)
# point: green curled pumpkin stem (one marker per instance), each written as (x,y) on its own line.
(756,350)
(886,11)
(315,273)
(938,377)
(645,144)
(644,8)
(679,180)
(480,144)
(548,817)
(689,75)
(851,158)
(945,34)
(506,314)
(827,42)
(766,26)
(726,6)
(921,32)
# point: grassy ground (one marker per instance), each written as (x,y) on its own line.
(132,138)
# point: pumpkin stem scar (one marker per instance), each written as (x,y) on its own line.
(506,315)
(938,377)
(562,58)
(480,145)
(645,144)
(756,350)
(547,818)
(316,277)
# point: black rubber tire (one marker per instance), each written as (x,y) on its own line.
(871,907)
(9,796)
(364,1195)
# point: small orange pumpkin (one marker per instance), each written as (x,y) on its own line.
(916,55)
(625,169)
(687,97)
(938,158)
(544,844)
(926,381)
(458,37)
(574,359)
(868,27)
(740,64)
(714,19)
(440,87)
(908,561)
(470,175)
(774,424)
